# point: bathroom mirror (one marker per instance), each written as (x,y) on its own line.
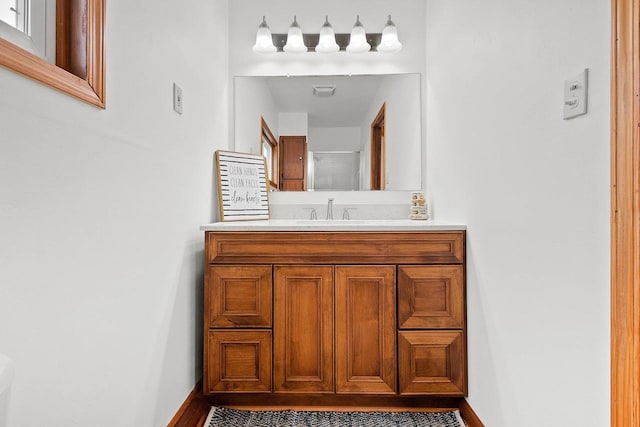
(362,132)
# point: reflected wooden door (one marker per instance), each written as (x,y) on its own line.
(293,163)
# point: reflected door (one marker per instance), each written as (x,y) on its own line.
(293,163)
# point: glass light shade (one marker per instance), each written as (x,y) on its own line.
(358,39)
(327,42)
(264,42)
(295,41)
(389,42)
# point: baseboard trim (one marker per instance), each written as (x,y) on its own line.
(193,411)
(469,417)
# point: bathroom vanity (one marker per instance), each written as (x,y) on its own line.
(306,312)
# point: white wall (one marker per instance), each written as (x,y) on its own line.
(334,139)
(293,124)
(257,101)
(533,190)
(101,254)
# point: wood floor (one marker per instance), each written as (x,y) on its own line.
(194,410)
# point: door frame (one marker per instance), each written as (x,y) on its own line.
(625,213)
(378,150)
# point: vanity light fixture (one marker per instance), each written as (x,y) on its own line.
(327,42)
(389,42)
(358,40)
(295,40)
(264,40)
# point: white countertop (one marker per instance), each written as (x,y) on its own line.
(333,225)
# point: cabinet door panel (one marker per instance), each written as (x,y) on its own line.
(431,296)
(303,328)
(432,362)
(238,296)
(365,329)
(238,361)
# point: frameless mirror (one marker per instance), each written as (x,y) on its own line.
(334,132)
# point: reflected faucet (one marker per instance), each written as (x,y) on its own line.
(345,213)
(330,209)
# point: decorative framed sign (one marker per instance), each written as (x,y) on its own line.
(243,191)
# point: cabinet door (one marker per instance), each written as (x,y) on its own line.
(238,296)
(432,362)
(431,297)
(238,360)
(365,329)
(303,329)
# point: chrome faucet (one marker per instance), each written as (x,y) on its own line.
(330,209)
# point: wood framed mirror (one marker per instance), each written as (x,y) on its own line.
(79,68)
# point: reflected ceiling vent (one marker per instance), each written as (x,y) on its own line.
(324,91)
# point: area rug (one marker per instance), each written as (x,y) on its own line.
(224,417)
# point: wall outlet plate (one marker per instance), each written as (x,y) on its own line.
(575,95)
(177,98)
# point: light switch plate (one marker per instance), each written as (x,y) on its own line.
(575,95)
(177,98)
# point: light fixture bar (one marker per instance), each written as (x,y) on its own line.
(311,40)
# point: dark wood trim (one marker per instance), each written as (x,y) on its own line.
(468,415)
(625,213)
(89,89)
(193,411)
(71,37)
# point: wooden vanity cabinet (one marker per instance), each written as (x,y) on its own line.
(291,314)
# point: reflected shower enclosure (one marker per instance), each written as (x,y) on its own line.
(333,170)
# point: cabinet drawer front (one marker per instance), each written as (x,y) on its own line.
(238,361)
(238,296)
(336,247)
(431,297)
(432,362)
